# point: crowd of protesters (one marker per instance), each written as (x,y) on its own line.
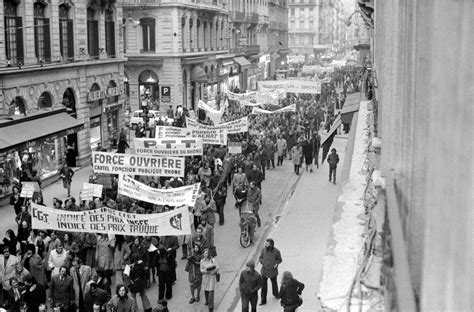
(76,271)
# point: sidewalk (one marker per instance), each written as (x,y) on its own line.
(55,189)
(301,235)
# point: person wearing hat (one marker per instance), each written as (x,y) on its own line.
(249,283)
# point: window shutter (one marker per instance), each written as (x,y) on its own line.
(61,45)
(36,38)
(47,41)
(152,37)
(93,38)
(70,40)
(145,37)
(19,41)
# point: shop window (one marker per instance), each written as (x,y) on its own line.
(109,33)
(92,33)
(45,101)
(17,107)
(13,33)
(149,89)
(112,99)
(148,34)
(95,132)
(42,34)
(66,33)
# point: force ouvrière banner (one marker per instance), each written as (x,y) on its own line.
(289,108)
(110,221)
(168,147)
(293,86)
(114,163)
(235,126)
(185,195)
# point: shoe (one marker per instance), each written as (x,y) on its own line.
(310,170)
(169,298)
(192,300)
(197,299)
(334,182)
(263,303)
(329,180)
(206,303)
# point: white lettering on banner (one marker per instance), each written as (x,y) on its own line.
(235,147)
(235,126)
(249,96)
(113,163)
(103,94)
(289,108)
(163,132)
(210,136)
(293,86)
(109,221)
(185,195)
(168,146)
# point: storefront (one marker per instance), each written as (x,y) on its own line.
(105,120)
(34,145)
(149,89)
(234,79)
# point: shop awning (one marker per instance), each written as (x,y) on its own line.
(351,105)
(198,74)
(242,61)
(22,132)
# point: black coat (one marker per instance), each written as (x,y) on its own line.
(289,294)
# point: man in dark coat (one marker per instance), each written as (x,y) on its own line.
(270,258)
(249,284)
(316,144)
(62,291)
(95,297)
(333,160)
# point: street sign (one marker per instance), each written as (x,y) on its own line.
(165,94)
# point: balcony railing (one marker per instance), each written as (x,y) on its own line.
(251,49)
(252,18)
(209,4)
(263,19)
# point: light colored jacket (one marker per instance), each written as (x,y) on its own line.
(85,273)
(209,280)
(55,261)
(104,254)
(281,146)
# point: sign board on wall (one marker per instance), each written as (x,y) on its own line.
(165,94)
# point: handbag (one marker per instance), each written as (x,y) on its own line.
(218,277)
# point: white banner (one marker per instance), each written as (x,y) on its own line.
(96,188)
(235,148)
(271,97)
(110,221)
(114,163)
(210,136)
(293,86)
(289,108)
(163,132)
(235,126)
(214,114)
(168,147)
(249,96)
(179,196)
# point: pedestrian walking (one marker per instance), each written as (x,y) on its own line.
(81,275)
(308,155)
(254,198)
(166,265)
(270,258)
(316,144)
(209,270)
(296,156)
(249,283)
(138,281)
(281,150)
(193,267)
(62,291)
(290,292)
(66,174)
(333,160)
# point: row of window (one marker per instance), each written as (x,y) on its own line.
(14,41)
(301,24)
(302,40)
(301,11)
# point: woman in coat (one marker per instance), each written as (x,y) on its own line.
(290,292)
(193,267)
(121,257)
(104,255)
(34,264)
(209,270)
(296,155)
(122,298)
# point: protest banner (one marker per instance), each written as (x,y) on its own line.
(114,163)
(163,132)
(210,136)
(248,96)
(271,96)
(110,221)
(168,147)
(289,108)
(293,86)
(96,188)
(29,188)
(86,194)
(179,196)
(235,126)
(234,147)
(214,114)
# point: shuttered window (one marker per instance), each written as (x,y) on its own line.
(92,34)
(42,34)
(66,34)
(109,33)
(148,34)
(13,33)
